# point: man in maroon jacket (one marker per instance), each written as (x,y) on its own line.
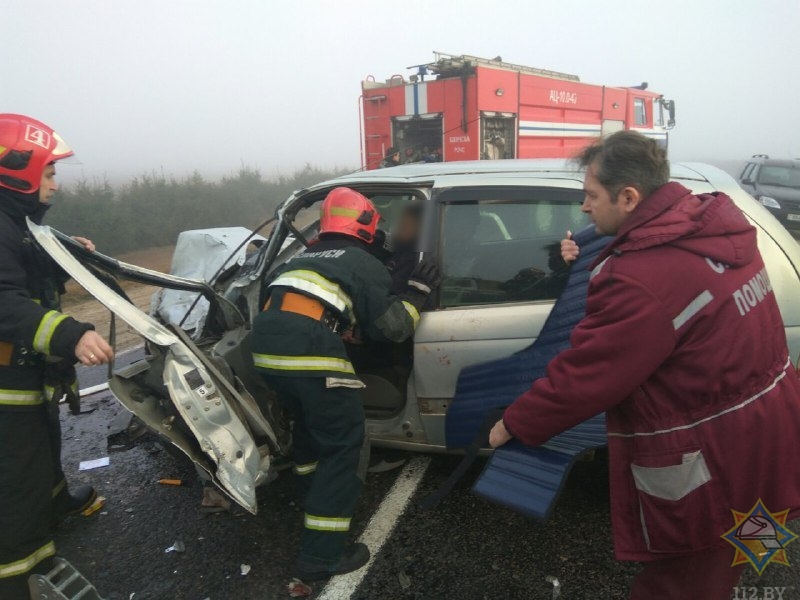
(683,346)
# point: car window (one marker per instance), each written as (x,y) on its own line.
(748,169)
(501,246)
(780,176)
(390,207)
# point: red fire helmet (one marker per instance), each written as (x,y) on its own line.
(347,212)
(27,146)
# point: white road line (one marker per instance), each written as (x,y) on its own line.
(101,387)
(380,527)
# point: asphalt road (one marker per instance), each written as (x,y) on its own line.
(465,549)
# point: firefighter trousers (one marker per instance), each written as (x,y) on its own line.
(26,488)
(328,435)
(54,429)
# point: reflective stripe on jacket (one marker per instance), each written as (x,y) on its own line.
(350,283)
(31,326)
(684,347)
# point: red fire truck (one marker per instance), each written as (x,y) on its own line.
(473,108)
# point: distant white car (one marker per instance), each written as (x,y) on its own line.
(493,226)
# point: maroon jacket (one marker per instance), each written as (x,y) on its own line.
(683,346)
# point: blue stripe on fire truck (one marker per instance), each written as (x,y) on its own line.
(544,128)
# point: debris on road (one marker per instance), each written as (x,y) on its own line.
(298,589)
(88,465)
(176,482)
(98,503)
(178,547)
(405,580)
(245,569)
(214,502)
(119,423)
(126,431)
(556,585)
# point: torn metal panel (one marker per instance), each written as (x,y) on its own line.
(202,400)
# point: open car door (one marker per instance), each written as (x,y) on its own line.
(525,479)
(181,391)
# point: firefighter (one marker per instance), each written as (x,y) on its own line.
(684,348)
(38,346)
(297,348)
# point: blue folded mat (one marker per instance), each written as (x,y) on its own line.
(527,479)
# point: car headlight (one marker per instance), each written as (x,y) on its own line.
(769,202)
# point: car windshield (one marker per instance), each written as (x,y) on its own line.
(780,176)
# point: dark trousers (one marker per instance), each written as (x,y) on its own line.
(26,488)
(327,437)
(705,575)
(60,490)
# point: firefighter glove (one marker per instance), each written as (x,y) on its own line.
(425,278)
(61,382)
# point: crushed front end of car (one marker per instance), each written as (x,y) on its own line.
(195,389)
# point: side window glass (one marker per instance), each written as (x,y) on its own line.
(747,171)
(399,224)
(504,246)
(658,113)
(639,113)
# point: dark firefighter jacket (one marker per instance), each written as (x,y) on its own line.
(33,333)
(353,285)
(684,347)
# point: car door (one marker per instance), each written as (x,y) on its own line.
(180,391)
(748,179)
(498,245)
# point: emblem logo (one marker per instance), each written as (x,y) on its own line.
(760,537)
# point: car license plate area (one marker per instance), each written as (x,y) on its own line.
(793,217)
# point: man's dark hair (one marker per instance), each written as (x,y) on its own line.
(627,158)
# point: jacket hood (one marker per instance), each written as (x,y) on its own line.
(709,225)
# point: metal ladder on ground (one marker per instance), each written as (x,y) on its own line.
(63,582)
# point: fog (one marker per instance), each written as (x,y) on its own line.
(141,86)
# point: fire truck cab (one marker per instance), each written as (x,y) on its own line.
(470,108)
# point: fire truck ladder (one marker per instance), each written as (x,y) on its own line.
(64,582)
(450,64)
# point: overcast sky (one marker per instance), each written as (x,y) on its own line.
(142,85)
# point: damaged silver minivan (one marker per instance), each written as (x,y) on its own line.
(494,228)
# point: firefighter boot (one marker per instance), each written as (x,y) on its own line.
(68,503)
(353,558)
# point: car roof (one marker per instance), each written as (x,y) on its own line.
(778,162)
(424,173)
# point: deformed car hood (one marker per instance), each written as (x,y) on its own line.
(206,402)
(200,254)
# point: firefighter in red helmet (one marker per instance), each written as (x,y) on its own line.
(297,347)
(38,348)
